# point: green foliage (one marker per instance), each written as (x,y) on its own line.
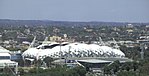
(127,66)
(48,61)
(80,70)
(133,53)
(112,68)
(127,73)
(115,66)
(135,68)
(21,71)
(145,69)
(107,70)
(3,74)
(58,71)
(125,69)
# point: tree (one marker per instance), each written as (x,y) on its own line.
(116,66)
(135,65)
(80,70)
(107,70)
(145,69)
(126,73)
(112,68)
(127,66)
(48,61)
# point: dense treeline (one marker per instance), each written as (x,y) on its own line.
(134,68)
(58,71)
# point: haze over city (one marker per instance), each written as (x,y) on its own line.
(76,10)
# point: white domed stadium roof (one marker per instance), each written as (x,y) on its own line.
(73,50)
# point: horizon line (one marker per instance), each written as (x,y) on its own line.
(75,20)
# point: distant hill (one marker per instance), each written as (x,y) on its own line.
(5,22)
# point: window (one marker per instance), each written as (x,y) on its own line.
(4,57)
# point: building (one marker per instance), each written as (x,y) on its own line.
(55,38)
(5,61)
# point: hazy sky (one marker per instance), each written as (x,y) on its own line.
(76,10)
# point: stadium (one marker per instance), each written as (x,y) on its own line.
(72,50)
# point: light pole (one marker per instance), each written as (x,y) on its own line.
(67,55)
(142,51)
(60,49)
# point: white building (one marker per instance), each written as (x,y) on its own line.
(5,61)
